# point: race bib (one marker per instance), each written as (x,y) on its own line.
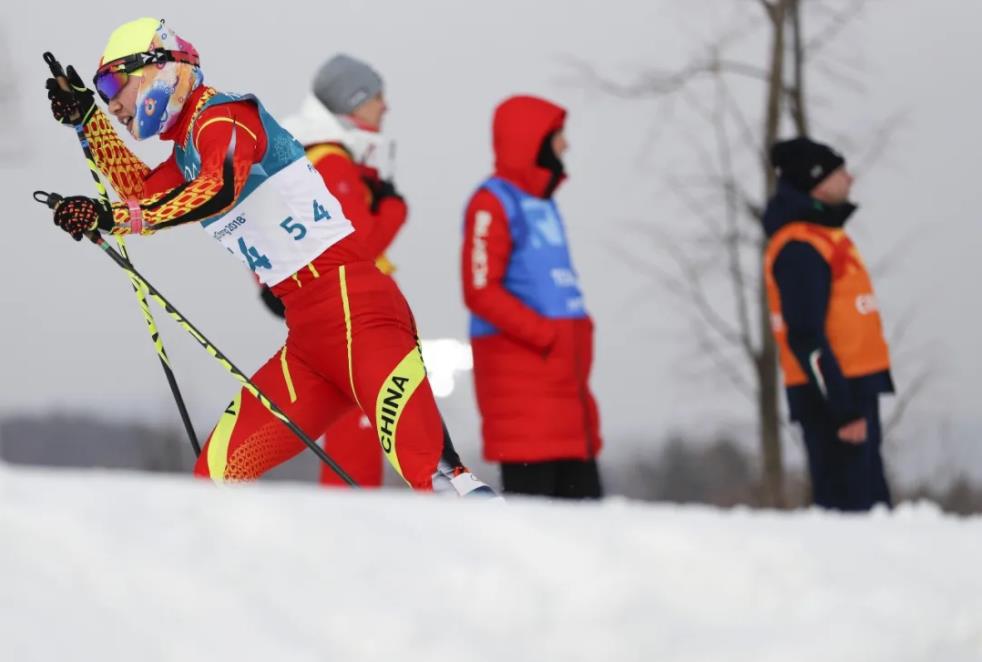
(283,224)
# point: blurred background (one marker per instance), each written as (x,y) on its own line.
(668,115)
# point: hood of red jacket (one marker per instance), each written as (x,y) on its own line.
(521,123)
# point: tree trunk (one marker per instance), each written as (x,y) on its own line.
(798,107)
(768,413)
(766,363)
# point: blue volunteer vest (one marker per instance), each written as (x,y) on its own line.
(540,271)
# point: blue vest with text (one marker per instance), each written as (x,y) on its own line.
(540,272)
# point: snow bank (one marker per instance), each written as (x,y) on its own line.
(99,566)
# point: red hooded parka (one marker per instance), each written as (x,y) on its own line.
(532,376)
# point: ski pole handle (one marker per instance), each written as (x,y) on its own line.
(51,200)
(58,72)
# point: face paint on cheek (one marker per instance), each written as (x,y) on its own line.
(161,96)
(151,115)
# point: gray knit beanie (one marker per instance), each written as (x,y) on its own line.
(344,83)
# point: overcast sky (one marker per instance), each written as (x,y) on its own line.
(73,337)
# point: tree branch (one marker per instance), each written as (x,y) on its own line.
(882,138)
(730,372)
(732,241)
(747,134)
(839,21)
(688,287)
(770,9)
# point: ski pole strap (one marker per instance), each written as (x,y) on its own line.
(136,215)
(50,200)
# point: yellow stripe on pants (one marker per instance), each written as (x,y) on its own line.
(342,274)
(286,376)
(396,390)
(220,439)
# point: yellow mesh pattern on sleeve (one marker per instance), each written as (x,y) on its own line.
(197,193)
(114,159)
(200,190)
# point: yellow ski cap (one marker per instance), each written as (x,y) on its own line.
(130,38)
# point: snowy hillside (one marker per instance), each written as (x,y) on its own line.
(99,566)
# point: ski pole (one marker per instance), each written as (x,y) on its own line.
(59,74)
(51,200)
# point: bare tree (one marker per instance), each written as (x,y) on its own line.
(732,319)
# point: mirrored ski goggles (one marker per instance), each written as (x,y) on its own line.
(112,76)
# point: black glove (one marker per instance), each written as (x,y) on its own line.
(73,106)
(273,302)
(78,214)
(381,189)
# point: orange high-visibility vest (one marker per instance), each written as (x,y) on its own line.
(852,321)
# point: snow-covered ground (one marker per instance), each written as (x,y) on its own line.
(111,566)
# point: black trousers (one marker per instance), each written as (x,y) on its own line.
(845,476)
(560,479)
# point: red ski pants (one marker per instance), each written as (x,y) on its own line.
(353,443)
(351,341)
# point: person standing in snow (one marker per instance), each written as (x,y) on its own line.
(339,125)
(826,322)
(235,171)
(530,332)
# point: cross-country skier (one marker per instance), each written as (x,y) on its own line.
(235,171)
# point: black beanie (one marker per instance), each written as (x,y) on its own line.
(804,163)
